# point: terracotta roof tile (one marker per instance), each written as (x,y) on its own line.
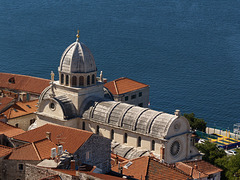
(146,166)
(4,150)
(21,109)
(9,130)
(138,169)
(5,101)
(33,151)
(23,83)
(70,138)
(123,85)
(198,167)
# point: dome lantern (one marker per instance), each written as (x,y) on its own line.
(77,66)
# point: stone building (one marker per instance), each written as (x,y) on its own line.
(20,114)
(85,147)
(78,100)
(21,87)
(129,91)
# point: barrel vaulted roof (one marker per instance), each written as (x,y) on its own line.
(130,117)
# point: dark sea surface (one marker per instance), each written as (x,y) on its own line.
(187,51)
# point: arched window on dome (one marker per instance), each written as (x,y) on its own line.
(139,143)
(88,80)
(112,134)
(153,145)
(67,80)
(93,79)
(74,81)
(125,138)
(62,78)
(97,130)
(81,81)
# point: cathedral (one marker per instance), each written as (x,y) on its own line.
(78,99)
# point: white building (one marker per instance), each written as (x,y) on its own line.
(77,100)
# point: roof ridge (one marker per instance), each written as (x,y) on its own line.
(171,167)
(35,149)
(24,76)
(9,125)
(115,85)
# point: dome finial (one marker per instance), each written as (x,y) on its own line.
(77,35)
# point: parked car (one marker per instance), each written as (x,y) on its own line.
(200,141)
(230,152)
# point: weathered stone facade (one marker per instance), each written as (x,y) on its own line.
(99,156)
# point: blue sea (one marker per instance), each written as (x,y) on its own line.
(188,51)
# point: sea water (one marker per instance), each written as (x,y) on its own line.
(187,51)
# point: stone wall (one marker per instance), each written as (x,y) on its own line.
(22,121)
(10,169)
(95,151)
(36,173)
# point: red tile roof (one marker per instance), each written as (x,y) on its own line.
(33,151)
(23,83)
(21,109)
(123,85)
(5,101)
(198,168)
(4,150)
(150,167)
(70,138)
(9,130)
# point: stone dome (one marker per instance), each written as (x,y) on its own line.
(77,58)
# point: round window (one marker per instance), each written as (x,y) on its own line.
(177,126)
(52,106)
(175,148)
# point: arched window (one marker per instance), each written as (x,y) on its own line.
(97,130)
(112,134)
(74,81)
(125,137)
(88,80)
(83,125)
(67,80)
(62,78)
(93,79)
(81,81)
(153,145)
(139,141)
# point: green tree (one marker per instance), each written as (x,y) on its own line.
(211,152)
(196,123)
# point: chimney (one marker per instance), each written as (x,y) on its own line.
(73,166)
(119,169)
(162,152)
(177,113)
(48,135)
(196,166)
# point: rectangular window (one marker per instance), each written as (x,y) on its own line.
(133,96)
(140,94)
(126,98)
(140,104)
(20,167)
(16,125)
